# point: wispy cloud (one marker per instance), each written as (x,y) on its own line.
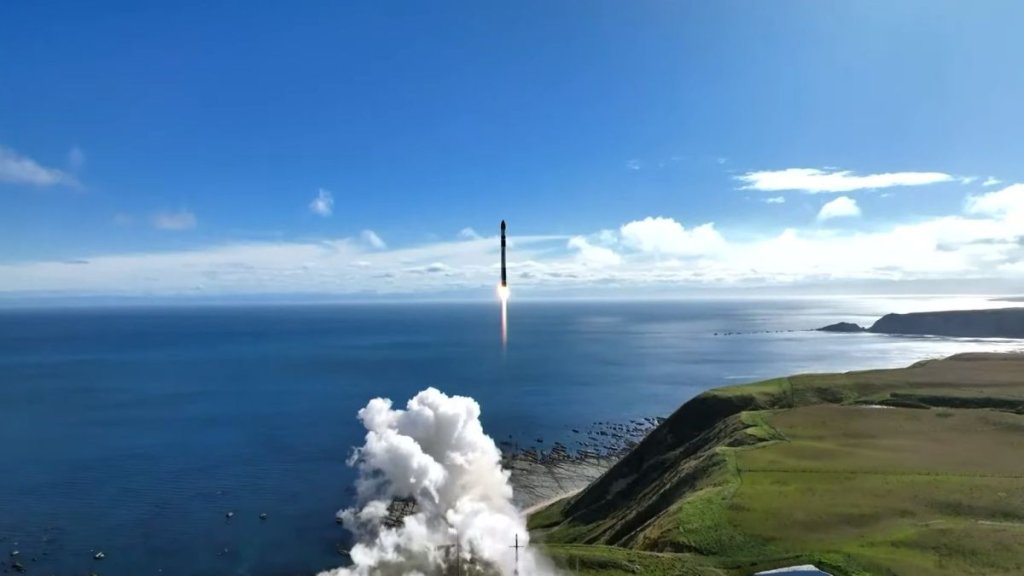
(432,268)
(633,164)
(842,207)
(373,239)
(468,234)
(18,169)
(991,181)
(323,204)
(814,180)
(76,158)
(775,200)
(174,221)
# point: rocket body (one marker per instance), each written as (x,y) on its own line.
(504,278)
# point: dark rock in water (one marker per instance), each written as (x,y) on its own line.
(229,515)
(842,327)
(263,515)
(99,556)
(17,567)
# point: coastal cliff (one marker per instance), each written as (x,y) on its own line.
(996,323)
(869,472)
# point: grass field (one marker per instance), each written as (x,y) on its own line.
(817,473)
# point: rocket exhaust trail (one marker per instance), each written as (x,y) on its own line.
(504,321)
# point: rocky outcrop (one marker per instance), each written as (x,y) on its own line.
(842,327)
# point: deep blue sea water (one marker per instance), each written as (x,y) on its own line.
(134,430)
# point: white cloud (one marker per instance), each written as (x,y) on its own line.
(813,180)
(842,207)
(176,221)
(633,164)
(991,181)
(967,179)
(666,236)
(1006,202)
(18,169)
(375,241)
(981,241)
(76,158)
(323,204)
(607,238)
(432,268)
(468,234)
(775,200)
(591,255)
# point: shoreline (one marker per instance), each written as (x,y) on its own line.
(539,476)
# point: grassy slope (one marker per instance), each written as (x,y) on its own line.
(798,470)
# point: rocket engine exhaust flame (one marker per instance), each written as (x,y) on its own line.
(503,294)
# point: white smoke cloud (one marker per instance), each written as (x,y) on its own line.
(436,452)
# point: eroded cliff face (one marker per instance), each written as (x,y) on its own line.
(998,323)
(672,460)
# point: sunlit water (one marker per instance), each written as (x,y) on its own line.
(134,431)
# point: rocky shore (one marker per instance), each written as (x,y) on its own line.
(540,475)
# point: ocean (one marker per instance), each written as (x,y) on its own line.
(134,431)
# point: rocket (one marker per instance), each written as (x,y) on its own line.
(504,278)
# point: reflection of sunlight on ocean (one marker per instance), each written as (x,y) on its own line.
(931,303)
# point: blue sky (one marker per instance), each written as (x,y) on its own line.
(372,147)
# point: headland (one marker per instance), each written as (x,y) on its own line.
(912,471)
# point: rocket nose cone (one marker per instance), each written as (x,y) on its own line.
(502,224)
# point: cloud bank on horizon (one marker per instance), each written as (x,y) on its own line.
(981,240)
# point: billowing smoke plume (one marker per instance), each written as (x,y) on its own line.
(435,451)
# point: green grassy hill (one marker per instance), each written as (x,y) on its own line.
(914,471)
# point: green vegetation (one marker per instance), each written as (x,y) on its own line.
(812,469)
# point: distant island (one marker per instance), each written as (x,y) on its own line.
(995,323)
(900,472)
